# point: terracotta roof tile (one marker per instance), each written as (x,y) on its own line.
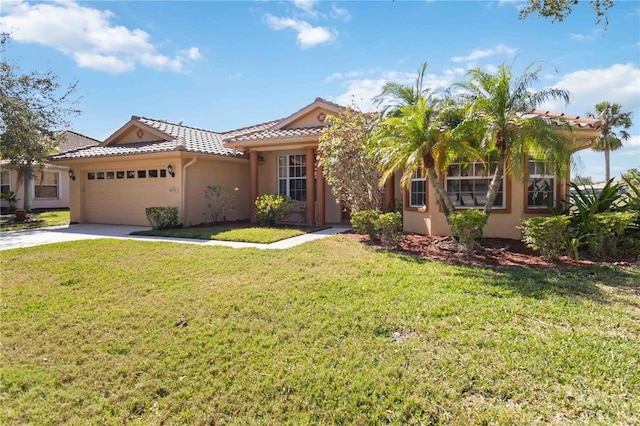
(279,134)
(573,120)
(117,150)
(185,138)
(72,140)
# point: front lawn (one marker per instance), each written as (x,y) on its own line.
(36,220)
(329,332)
(247,235)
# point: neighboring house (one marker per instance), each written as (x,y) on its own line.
(50,186)
(154,163)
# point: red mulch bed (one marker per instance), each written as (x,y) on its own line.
(493,252)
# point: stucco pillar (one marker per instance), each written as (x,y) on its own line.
(311,208)
(253,184)
(389,193)
(321,203)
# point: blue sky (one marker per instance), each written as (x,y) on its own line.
(223,65)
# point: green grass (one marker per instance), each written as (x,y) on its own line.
(248,235)
(41,220)
(329,332)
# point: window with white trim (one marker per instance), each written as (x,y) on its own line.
(46,184)
(292,176)
(5,181)
(418,190)
(541,186)
(468,183)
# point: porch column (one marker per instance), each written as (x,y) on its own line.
(253,185)
(311,208)
(321,205)
(389,193)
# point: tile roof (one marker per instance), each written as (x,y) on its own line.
(271,134)
(184,138)
(73,140)
(573,120)
(117,150)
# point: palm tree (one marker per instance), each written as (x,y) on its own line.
(498,109)
(413,139)
(395,95)
(612,117)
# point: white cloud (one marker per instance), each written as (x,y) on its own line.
(340,13)
(484,53)
(88,36)
(618,83)
(308,36)
(194,53)
(360,93)
(362,86)
(306,5)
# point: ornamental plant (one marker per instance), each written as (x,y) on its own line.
(466,226)
(162,217)
(363,222)
(219,200)
(271,208)
(549,235)
(389,225)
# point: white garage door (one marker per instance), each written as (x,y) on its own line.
(121,197)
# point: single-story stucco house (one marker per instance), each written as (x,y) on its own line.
(50,186)
(150,162)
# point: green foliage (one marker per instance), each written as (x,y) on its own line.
(32,106)
(271,208)
(219,200)
(162,217)
(349,167)
(558,10)
(611,116)
(11,198)
(549,235)
(497,107)
(606,231)
(631,179)
(389,226)
(363,222)
(585,204)
(466,226)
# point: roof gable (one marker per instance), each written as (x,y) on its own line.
(312,115)
(136,131)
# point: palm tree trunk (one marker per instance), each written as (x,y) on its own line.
(492,192)
(607,164)
(441,195)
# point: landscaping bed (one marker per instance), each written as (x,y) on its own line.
(492,252)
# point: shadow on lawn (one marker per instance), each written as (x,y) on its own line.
(542,282)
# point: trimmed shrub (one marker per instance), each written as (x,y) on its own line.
(271,208)
(466,226)
(363,222)
(389,225)
(606,231)
(549,235)
(162,217)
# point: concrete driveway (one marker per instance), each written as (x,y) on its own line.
(39,236)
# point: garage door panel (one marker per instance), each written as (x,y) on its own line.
(123,201)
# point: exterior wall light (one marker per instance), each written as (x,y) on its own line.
(170,170)
(71,175)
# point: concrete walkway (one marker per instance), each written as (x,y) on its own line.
(39,236)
